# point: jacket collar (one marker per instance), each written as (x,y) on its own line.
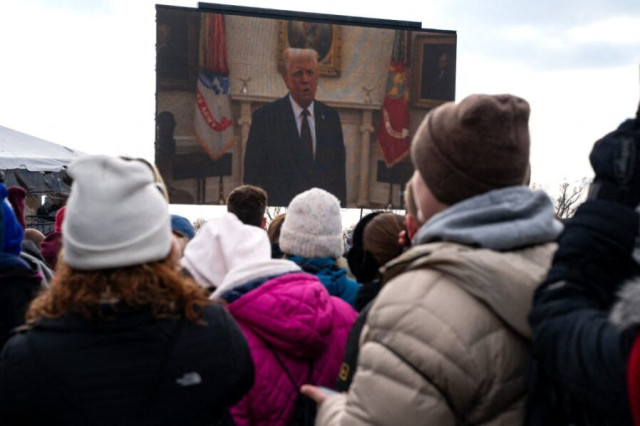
(116,317)
(297,109)
(504,219)
(252,271)
(504,281)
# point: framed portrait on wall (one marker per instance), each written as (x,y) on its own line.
(325,38)
(177,49)
(433,66)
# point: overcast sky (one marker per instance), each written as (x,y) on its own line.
(81,73)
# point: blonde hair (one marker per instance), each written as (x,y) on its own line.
(292,53)
(274,228)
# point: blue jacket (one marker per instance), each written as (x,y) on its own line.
(332,276)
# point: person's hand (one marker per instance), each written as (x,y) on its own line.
(616,162)
(318,393)
(403,239)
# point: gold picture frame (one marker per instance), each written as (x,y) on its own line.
(325,38)
(433,68)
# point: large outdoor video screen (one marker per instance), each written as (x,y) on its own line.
(289,101)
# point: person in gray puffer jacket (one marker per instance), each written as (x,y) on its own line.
(447,340)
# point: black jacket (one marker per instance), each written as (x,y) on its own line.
(19,284)
(578,374)
(131,370)
(271,158)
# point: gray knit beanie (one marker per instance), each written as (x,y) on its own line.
(116,216)
(313,226)
(480,144)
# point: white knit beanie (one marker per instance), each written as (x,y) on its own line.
(115,216)
(313,226)
(220,245)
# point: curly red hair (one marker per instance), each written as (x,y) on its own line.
(157,285)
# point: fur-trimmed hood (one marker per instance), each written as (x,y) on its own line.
(626,311)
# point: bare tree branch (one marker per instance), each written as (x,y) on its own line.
(197,224)
(272,212)
(570,196)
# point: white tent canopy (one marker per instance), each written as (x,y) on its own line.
(21,151)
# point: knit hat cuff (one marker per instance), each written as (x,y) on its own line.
(305,245)
(115,215)
(152,246)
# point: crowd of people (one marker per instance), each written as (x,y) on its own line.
(478,306)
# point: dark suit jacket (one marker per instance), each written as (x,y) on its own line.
(272,161)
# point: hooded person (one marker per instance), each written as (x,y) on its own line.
(208,267)
(52,243)
(19,282)
(375,242)
(34,236)
(120,337)
(183,231)
(30,252)
(16,198)
(311,236)
(446,340)
(585,316)
(295,329)
(33,257)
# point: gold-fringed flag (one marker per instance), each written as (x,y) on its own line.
(213,124)
(394,139)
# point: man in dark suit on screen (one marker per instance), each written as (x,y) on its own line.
(296,143)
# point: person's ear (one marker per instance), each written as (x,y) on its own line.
(263,225)
(411,223)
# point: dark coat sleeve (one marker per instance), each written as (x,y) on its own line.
(579,358)
(257,152)
(240,375)
(332,169)
(19,286)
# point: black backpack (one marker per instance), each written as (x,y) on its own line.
(305,411)
(306,408)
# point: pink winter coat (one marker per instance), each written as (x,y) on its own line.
(302,323)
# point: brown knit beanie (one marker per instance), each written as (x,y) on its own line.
(466,149)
